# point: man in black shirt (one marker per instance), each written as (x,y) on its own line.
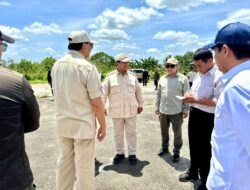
(19,114)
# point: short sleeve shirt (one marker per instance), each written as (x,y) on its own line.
(75,83)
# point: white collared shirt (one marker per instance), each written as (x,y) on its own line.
(206,86)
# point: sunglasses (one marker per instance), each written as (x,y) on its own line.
(91,44)
(4,46)
(170,66)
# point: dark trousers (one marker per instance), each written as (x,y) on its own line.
(190,84)
(156,84)
(145,81)
(200,126)
(176,121)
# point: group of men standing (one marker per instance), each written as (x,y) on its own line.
(218,105)
(77,105)
(218,128)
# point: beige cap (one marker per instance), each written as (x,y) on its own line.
(79,37)
(172,60)
(122,57)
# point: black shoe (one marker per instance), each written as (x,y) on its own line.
(188,177)
(118,158)
(132,159)
(176,158)
(162,151)
(202,187)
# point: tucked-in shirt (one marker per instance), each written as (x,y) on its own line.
(169,87)
(75,83)
(230,164)
(207,86)
(124,94)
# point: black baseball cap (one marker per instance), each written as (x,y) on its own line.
(6,38)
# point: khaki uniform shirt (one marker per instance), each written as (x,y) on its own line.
(124,94)
(75,83)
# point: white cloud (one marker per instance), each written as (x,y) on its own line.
(242,15)
(125,46)
(39,28)
(13,32)
(153,50)
(178,5)
(176,36)
(123,17)
(109,34)
(49,51)
(181,42)
(4,3)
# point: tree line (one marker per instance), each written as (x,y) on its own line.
(36,72)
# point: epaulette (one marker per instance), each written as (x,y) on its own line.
(112,72)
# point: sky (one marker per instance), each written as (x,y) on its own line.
(139,28)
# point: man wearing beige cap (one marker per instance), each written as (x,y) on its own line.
(19,114)
(77,95)
(125,102)
(170,107)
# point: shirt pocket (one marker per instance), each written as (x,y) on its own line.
(115,109)
(115,88)
(206,91)
(131,87)
(133,109)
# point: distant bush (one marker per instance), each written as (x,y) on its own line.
(37,72)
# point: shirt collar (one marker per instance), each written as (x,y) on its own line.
(234,71)
(76,54)
(117,72)
(211,71)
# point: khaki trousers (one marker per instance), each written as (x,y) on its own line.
(75,164)
(129,125)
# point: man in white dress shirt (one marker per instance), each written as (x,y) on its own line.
(202,98)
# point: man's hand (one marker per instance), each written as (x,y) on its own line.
(189,98)
(139,110)
(157,112)
(101,133)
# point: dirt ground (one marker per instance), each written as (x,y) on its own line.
(150,173)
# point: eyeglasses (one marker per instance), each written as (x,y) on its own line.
(91,44)
(170,66)
(4,46)
(122,62)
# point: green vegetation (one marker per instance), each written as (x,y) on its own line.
(37,72)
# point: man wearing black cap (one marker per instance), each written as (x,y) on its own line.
(230,163)
(19,114)
(202,99)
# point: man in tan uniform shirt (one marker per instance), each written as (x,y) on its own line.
(125,102)
(77,93)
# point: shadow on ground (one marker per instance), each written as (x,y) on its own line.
(124,167)
(97,167)
(181,166)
